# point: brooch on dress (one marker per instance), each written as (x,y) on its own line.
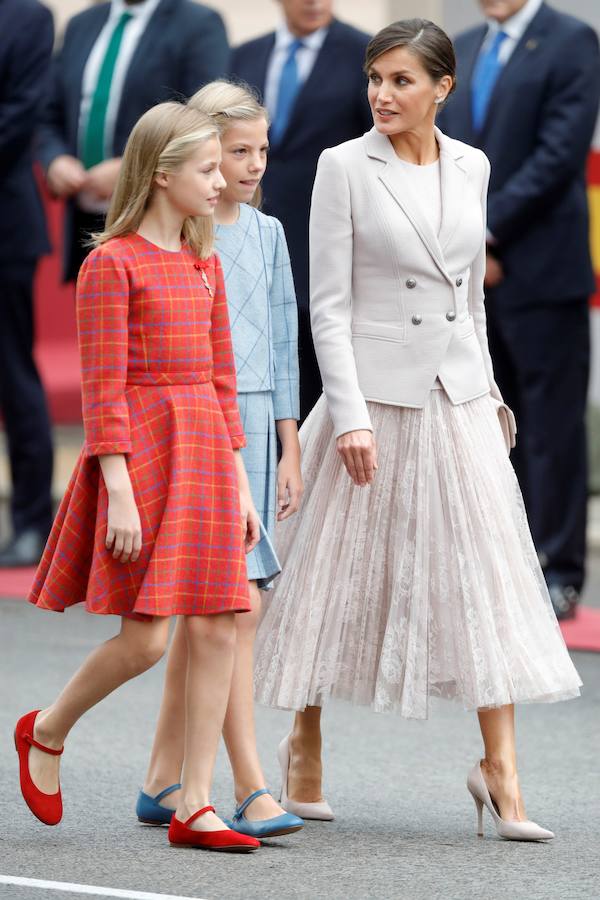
(204,278)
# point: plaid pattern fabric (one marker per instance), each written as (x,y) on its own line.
(262,308)
(158,383)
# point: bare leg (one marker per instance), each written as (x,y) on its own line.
(306,770)
(211,647)
(500,764)
(166,758)
(134,650)
(239,731)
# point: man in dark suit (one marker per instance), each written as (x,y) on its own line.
(117,60)
(309,73)
(26,36)
(528,91)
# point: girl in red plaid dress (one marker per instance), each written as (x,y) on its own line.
(158,509)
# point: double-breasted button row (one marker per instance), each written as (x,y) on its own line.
(411,283)
(417,319)
(458,281)
(451,315)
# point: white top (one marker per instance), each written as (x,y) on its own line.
(427,185)
(305,59)
(514,27)
(140,16)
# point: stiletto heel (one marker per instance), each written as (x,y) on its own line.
(320,810)
(510,830)
(479,808)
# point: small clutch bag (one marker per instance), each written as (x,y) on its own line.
(508,424)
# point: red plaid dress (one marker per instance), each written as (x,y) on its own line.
(158,384)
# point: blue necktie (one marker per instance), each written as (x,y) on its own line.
(485,76)
(289,85)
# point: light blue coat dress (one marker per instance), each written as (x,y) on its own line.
(264,329)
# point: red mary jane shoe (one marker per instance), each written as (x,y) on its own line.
(46,807)
(225,840)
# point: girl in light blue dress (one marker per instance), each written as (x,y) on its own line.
(263,319)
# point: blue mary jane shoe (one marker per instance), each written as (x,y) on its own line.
(286,823)
(150,812)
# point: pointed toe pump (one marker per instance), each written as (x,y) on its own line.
(510,830)
(224,840)
(286,823)
(320,811)
(46,807)
(150,812)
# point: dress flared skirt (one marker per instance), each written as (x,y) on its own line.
(424,584)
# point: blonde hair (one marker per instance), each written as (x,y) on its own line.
(161,141)
(228,102)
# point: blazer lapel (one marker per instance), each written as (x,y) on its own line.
(143,52)
(453,177)
(259,79)
(395,179)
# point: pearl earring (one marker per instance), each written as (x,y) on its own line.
(438,100)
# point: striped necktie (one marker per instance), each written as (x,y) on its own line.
(485,76)
(289,85)
(93,144)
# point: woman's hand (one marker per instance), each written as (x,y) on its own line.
(289,485)
(359,454)
(124,529)
(250,520)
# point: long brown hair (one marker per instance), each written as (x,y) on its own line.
(228,102)
(161,141)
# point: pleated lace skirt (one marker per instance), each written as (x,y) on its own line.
(424,584)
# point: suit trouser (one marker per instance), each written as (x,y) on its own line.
(541,357)
(310,376)
(23,404)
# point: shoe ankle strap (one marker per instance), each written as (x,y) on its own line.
(197,815)
(246,803)
(31,740)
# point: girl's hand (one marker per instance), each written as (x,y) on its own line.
(250,520)
(289,485)
(124,531)
(359,454)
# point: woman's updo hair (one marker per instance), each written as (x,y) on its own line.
(425,39)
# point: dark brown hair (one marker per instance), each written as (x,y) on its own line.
(425,39)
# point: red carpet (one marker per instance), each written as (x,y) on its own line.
(582,633)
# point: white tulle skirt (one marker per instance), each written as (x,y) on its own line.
(424,584)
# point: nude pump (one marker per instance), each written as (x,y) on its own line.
(510,830)
(320,810)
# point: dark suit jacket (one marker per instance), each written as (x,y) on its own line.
(26,37)
(331,108)
(537,135)
(183,46)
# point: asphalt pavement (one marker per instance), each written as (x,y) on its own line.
(405,824)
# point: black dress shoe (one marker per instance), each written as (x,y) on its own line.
(23,550)
(564,600)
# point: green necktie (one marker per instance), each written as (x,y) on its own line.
(93,144)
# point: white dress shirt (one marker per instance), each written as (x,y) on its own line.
(515,28)
(305,60)
(140,16)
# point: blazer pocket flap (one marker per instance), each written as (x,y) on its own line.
(378,330)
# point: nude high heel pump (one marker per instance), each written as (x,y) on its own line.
(320,811)
(510,830)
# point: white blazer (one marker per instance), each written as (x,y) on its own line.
(393,305)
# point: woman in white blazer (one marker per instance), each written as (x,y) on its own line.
(425,582)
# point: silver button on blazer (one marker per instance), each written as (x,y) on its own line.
(377,269)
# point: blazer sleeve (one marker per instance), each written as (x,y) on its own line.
(566,127)
(284,325)
(25,73)
(51,138)
(476,298)
(102,312)
(331,249)
(223,378)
